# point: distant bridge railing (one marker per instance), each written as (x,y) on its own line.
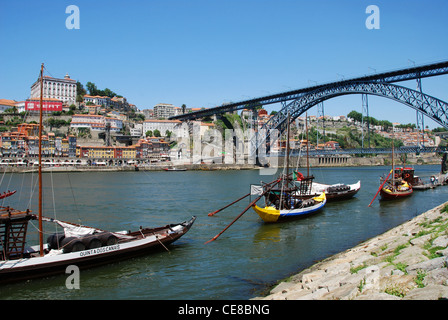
(413,149)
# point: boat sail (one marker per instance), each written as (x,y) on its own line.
(78,245)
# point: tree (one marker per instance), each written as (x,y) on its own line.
(94,91)
(109,93)
(356,116)
(92,88)
(148,133)
(80,92)
(157,133)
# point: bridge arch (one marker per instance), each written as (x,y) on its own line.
(430,106)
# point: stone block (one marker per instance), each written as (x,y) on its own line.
(420,241)
(429,265)
(441,241)
(316,295)
(338,267)
(437,276)
(330,282)
(312,276)
(411,255)
(403,283)
(285,286)
(376,296)
(431,292)
(346,292)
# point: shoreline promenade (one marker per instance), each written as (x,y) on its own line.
(408,262)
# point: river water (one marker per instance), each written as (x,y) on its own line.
(241,264)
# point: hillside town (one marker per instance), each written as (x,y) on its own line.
(81,124)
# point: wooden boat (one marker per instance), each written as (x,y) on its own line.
(78,245)
(338,191)
(334,192)
(400,185)
(93,248)
(297,208)
(395,190)
(282,197)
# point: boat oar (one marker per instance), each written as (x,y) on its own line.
(239,216)
(385,180)
(245,196)
(272,185)
(214,212)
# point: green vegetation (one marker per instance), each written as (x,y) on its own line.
(358,268)
(57,123)
(396,291)
(419,279)
(350,137)
(356,116)
(94,91)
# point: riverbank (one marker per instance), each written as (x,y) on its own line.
(408,262)
(274,163)
(193,167)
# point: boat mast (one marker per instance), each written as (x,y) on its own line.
(307,146)
(41,234)
(393,151)
(287,146)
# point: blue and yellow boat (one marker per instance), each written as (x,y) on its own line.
(298,208)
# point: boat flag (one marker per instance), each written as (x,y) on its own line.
(297,176)
(256,190)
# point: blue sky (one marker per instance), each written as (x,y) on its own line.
(203,53)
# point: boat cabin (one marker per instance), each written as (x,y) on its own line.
(13,228)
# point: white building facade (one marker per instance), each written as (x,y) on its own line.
(96,122)
(61,89)
(161,125)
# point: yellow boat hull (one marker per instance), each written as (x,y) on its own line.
(270,214)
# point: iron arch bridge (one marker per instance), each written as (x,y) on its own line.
(413,73)
(296,102)
(430,106)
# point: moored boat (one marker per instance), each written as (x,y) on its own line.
(297,208)
(335,192)
(77,245)
(87,248)
(395,190)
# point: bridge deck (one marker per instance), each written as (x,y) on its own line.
(429,70)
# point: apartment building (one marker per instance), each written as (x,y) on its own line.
(96,122)
(161,125)
(20,144)
(150,148)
